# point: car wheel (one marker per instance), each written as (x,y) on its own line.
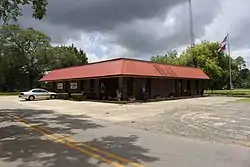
(52,96)
(31,98)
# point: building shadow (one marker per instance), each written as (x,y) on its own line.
(26,148)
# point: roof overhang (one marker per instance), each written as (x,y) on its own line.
(126,68)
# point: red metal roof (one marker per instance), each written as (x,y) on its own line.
(126,67)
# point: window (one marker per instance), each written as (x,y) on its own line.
(59,86)
(35,91)
(39,91)
(43,91)
(73,85)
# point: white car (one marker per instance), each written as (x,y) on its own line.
(37,94)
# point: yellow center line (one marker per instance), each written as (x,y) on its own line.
(65,140)
(115,164)
(105,153)
(35,128)
(96,149)
(57,138)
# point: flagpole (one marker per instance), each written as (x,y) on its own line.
(229,61)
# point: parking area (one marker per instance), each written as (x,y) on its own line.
(212,119)
(219,119)
(62,133)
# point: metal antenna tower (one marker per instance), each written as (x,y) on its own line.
(191,23)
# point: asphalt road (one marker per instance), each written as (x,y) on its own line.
(44,138)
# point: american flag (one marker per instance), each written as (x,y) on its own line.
(223,44)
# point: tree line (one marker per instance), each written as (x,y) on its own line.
(215,64)
(27,54)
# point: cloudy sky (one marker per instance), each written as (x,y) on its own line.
(142,28)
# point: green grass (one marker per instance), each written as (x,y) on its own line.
(9,93)
(246,100)
(245,92)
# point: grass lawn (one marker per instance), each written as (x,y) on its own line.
(247,100)
(228,92)
(8,93)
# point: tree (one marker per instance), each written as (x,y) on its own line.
(81,56)
(169,58)
(26,55)
(11,9)
(241,63)
(65,56)
(10,66)
(247,85)
(213,63)
(27,43)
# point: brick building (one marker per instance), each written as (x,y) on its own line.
(101,80)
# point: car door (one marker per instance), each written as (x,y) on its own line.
(37,93)
(44,94)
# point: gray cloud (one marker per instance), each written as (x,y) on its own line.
(240,36)
(64,17)
(142,27)
(58,33)
(101,15)
(153,37)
